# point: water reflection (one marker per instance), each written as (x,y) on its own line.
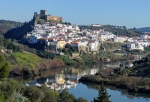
(123,92)
(61,78)
(85,89)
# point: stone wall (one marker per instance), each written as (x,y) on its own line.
(54,18)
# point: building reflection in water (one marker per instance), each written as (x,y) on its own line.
(62,78)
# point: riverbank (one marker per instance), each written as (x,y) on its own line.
(133,79)
(28,64)
(129,83)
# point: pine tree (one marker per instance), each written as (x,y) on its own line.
(103,95)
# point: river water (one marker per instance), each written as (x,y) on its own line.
(83,90)
(68,78)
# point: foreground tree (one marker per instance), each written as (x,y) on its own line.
(1,97)
(65,96)
(4,67)
(103,95)
(81,99)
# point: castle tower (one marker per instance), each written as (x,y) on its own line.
(43,13)
(36,15)
(61,19)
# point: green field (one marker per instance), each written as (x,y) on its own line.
(23,59)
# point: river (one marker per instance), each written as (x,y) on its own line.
(83,90)
(62,78)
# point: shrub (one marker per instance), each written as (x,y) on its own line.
(34,94)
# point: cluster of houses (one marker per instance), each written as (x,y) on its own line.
(56,36)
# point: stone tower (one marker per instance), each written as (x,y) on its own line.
(43,13)
(36,15)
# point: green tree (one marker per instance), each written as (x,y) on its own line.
(103,95)
(65,96)
(81,99)
(49,95)
(8,87)
(4,67)
(1,40)
(1,97)
(20,98)
(34,94)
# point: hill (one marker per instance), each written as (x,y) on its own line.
(117,30)
(19,32)
(145,29)
(6,25)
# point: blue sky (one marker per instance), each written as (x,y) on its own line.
(129,13)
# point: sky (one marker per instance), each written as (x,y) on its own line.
(129,13)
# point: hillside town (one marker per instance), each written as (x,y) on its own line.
(63,51)
(56,36)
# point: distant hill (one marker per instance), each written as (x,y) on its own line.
(6,25)
(117,30)
(19,32)
(145,29)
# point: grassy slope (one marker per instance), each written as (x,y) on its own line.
(112,46)
(26,59)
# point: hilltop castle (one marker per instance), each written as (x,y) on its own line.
(44,15)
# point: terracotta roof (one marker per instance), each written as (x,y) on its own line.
(73,43)
(50,39)
(42,39)
(61,35)
(60,39)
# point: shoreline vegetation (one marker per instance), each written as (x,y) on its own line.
(133,79)
(122,82)
(33,65)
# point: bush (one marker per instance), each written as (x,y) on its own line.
(49,95)
(1,97)
(34,94)
(81,99)
(8,87)
(4,67)
(65,96)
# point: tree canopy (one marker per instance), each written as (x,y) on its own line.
(103,95)
(4,67)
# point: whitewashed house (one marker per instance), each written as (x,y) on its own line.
(135,46)
(94,46)
(120,39)
(32,39)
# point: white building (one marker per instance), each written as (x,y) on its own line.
(135,46)
(106,35)
(144,36)
(32,39)
(120,39)
(95,25)
(94,46)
